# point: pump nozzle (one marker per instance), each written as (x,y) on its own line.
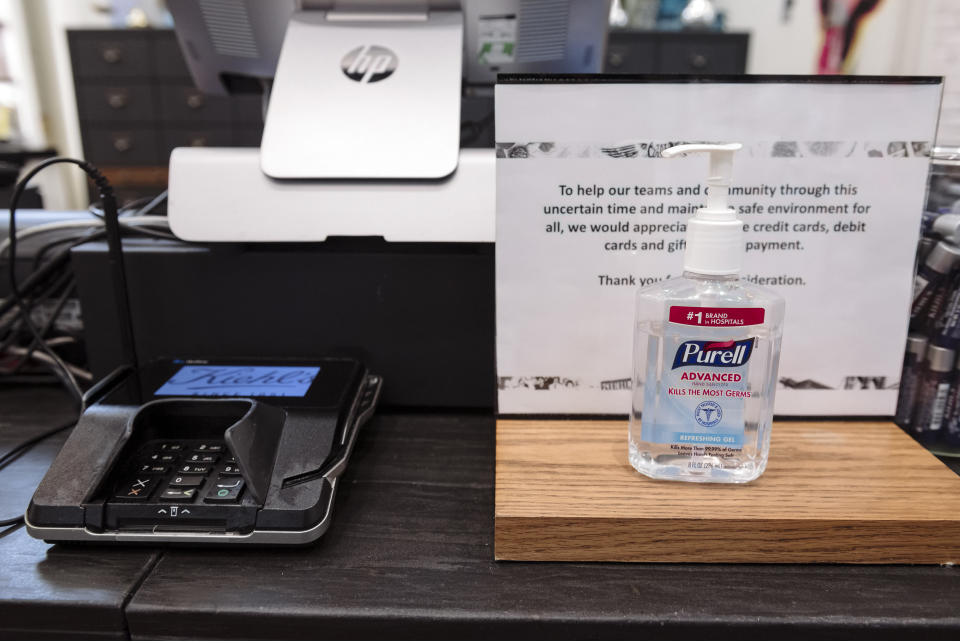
(721,168)
(714,235)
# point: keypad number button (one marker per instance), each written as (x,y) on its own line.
(153,469)
(203,458)
(183,480)
(193,468)
(161,457)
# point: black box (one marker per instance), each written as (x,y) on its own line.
(419,314)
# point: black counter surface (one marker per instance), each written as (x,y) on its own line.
(410,556)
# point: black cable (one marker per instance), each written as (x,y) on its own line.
(95,233)
(44,295)
(147,230)
(85,235)
(41,253)
(14,332)
(37,278)
(15,327)
(132,209)
(115,259)
(54,314)
(21,449)
(7,457)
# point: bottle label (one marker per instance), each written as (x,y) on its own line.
(939,405)
(704,383)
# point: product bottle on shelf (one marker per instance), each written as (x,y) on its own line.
(945,330)
(934,271)
(943,304)
(910,376)
(933,391)
(951,419)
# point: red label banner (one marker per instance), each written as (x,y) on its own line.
(717,316)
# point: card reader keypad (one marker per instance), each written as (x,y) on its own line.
(184,472)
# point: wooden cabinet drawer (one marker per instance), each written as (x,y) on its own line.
(116,146)
(100,54)
(186,103)
(631,52)
(168,62)
(187,137)
(698,55)
(116,103)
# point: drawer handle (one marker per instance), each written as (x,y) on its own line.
(112,55)
(195,101)
(122,143)
(117,99)
(698,61)
(198,141)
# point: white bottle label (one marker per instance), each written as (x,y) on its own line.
(939,405)
(704,383)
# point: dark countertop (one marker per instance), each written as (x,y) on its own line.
(409,556)
(54,592)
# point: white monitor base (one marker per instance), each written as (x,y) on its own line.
(221,195)
(366,95)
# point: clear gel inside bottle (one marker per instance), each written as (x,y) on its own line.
(723,455)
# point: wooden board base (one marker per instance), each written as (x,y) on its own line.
(833,492)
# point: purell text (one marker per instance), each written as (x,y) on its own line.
(713,353)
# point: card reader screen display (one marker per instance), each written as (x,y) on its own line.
(239,380)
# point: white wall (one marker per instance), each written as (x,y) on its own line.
(21,91)
(47,22)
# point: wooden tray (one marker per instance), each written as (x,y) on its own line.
(833,492)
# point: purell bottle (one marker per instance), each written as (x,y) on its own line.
(706,351)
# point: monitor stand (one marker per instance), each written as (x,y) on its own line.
(361,95)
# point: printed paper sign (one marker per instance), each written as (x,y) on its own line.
(830,187)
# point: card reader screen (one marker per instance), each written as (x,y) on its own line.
(239,380)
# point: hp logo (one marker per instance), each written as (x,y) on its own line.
(369,63)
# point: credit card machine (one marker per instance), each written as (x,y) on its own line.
(207,452)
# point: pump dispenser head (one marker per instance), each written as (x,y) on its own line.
(714,234)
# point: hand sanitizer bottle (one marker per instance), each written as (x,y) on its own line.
(706,351)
